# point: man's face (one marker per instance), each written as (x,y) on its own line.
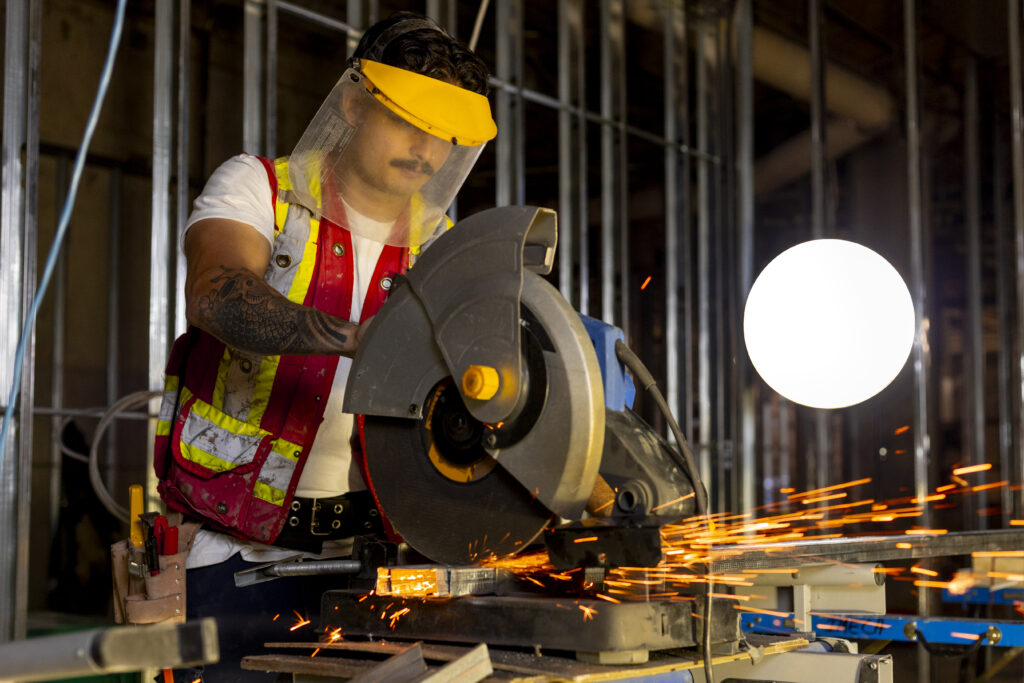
(391,155)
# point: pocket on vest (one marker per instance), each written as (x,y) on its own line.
(207,442)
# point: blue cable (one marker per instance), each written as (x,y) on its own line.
(62,225)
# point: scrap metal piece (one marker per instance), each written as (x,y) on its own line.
(433,581)
(295,567)
(111,650)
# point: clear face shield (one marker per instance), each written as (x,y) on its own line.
(393,146)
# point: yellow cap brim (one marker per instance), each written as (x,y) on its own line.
(432,105)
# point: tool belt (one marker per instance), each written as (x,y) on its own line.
(311,521)
(147,593)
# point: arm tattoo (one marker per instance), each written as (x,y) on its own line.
(244,311)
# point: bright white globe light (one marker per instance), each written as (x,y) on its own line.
(828,323)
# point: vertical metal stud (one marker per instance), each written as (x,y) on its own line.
(582,163)
(1003,297)
(704,415)
(270,145)
(819,215)
(252,78)
(160,233)
(113,307)
(18,251)
(57,355)
(675,94)
(922,445)
(1017,134)
(182,189)
(974,406)
(570,28)
(745,228)
(612,210)
(511,172)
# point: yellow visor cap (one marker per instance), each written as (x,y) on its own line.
(432,105)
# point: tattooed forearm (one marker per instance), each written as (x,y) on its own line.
(244,311)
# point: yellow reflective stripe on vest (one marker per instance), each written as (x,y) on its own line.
(262,388)
(168,406)
(222,372)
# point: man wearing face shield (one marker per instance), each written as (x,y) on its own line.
(286,259)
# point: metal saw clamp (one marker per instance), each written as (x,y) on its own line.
(485,415)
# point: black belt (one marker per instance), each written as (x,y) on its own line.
(311,521)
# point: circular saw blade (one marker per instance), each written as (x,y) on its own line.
(450,522)
(445,493)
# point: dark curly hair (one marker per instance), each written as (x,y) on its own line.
(412,41)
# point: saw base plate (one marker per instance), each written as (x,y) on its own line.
(554,623)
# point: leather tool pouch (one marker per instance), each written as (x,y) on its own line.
(143,598)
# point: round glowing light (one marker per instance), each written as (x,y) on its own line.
(828,323)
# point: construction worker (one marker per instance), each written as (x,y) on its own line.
(286,260)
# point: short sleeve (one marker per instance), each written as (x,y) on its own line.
(238,190)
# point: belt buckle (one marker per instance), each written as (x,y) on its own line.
(313,521)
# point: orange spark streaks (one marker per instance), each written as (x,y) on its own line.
(928,499)
(603,506)
(922,570)
(902,430)
(904,546)
(787,490)
(933,584)
(834,496)
(999,553)
(729,596)
(586,539)
(947,487)
(588,612)
(972,468)
(965,636)
(646,282)
(275,617)
(602,596)
(985,487)
(1017,522)
(926,532)
(314,652)
(829,627)
(835,487)
(398,615)
(673,502)
(303,621)
(839,617)
(759,610)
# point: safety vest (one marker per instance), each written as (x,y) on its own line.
(235,428)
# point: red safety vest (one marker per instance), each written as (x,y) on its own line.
(235,428)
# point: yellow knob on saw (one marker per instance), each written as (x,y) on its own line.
(480,382)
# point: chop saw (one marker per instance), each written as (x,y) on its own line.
(489,415)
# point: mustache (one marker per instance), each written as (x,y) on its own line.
(423,167)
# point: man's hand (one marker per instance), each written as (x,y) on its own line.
(227,296)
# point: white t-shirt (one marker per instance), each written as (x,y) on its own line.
(239,190)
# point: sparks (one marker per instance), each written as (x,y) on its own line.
(275,617)
(303,621)
(902,430)
(585,539)
(588,612)
(673,502)
(646,282)
(972,468)
(314,652)
(965,636)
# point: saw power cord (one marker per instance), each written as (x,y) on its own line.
(684,459)
(62,225)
